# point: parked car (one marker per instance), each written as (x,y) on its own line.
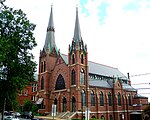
(6,113)
(16,114)
(27,115)
(36,119)
(10,117)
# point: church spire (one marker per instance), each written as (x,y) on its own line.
(50,35)
(77,42)
(77,32)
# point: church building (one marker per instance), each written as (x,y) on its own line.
(73,83)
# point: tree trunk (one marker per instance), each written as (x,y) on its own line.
(3,109)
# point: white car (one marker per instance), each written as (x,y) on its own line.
(10,117)
(17,114)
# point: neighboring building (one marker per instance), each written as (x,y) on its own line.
(29,92)
(72,83)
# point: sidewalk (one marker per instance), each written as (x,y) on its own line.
(49,118)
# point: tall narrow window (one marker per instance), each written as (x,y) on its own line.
(60,83)
(92,98)
(82,59)
(42,83)
(109,99)
(41,67)
(73,59)
(83,98)
(73,77)
(101,99)
(82,81)
(129,100)
(119,99)
(44,66)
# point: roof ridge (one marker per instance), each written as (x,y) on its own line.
(64,54)
(103,65)
(96,63)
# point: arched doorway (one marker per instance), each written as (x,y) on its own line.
(55,103)
(64,105)
(102,117)
(73,104)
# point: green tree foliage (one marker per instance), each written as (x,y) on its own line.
(17,67)
(27,105)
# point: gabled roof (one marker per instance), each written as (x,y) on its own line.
(139,96)
(128,87)
(100,69)
(65,58)
(104,70)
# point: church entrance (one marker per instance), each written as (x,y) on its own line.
(73,104)
(64,105)
(55,103)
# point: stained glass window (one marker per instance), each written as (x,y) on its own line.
(60,83)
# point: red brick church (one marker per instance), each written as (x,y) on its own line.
(73,83)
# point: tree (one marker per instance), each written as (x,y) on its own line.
(17,67)
(27,105)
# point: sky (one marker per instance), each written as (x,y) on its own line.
(117,32)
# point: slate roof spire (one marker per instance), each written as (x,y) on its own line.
(77,32)
(50,35)
(77,42)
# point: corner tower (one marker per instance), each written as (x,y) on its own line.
(47,60)
(78,64)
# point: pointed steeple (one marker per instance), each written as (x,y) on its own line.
(77,42)
(77,32)
(50,35)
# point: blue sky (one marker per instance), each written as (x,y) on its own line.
(117,33)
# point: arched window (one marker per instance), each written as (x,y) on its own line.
(73,59)
(109,99)
(42,83)
(82,59)
(101,99)
(82,81)
(83,98)
(129,100)
(92,98)
(64,107)
(60,83)
(73,77)
(119,99)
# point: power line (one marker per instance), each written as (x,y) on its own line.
(140,83)
(139,74)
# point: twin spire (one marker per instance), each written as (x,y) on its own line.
(77,32)
(50,35)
